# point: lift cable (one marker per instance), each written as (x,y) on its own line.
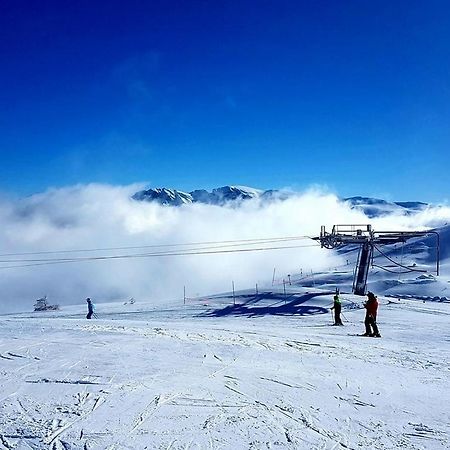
(237,241)
(393,271)
(153,255)
(165,252)
(398,264)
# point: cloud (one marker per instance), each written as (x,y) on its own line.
(98,216)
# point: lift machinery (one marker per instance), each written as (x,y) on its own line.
(368,239)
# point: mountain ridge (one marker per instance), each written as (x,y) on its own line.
(235,195)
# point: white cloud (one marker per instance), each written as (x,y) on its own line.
(103,216)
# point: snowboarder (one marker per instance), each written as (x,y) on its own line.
(370,321)
(337,306)
(90,306)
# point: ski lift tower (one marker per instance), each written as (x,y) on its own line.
(367,239)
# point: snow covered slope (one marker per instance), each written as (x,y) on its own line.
(257,369)
(253,372)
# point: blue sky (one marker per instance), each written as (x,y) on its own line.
(354,95)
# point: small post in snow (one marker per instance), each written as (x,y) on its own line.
(184,295)
(284,289)
(256,289)
(273,276)
(289,278)
(234,298)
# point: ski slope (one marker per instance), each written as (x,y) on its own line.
(266,372)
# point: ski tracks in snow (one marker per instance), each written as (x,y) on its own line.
(248,384)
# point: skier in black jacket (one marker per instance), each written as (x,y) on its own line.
(90,306)
(337,306)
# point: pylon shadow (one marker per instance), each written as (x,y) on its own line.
(292,304)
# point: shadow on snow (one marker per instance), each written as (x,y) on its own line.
(290,305)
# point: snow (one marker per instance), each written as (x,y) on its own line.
(254,370)
(266,372)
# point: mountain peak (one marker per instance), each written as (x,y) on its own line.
(218,196)
(164,196)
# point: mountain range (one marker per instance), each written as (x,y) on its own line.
(235,195)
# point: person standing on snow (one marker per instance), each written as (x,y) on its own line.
(337,306)
(90,306)
(371,316)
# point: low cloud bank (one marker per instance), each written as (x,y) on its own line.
(101,216)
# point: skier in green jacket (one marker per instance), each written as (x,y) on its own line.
(337,306)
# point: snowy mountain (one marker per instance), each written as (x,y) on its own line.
(218,196)
(372,207)
(225,194)
(375,207)
(164,196)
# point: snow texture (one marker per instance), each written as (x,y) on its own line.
(253,371)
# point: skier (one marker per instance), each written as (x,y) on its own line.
(90,306)
(337,306)
(371,316)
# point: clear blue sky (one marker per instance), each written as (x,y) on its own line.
(198,94)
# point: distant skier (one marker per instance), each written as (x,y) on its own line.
(337,306)
(370,321)
(90,306)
